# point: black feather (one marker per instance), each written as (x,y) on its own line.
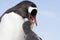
(30,34)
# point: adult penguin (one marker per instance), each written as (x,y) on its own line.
(12,20)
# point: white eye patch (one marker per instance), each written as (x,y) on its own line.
(31,8)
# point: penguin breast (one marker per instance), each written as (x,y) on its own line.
(11,27)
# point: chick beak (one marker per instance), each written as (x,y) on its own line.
(32,20)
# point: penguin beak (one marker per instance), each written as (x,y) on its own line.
(32,19)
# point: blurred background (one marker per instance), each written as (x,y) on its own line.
(48,17)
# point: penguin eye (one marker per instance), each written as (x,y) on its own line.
(34,12)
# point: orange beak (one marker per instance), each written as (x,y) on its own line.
(32,19)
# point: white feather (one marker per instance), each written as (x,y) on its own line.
(31,8)
(11,27)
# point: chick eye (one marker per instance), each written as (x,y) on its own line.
(30,9)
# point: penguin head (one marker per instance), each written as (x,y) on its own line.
(26,9)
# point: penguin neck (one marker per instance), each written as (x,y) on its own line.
(12,26)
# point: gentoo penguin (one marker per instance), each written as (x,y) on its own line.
(30,35)
(12,20)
